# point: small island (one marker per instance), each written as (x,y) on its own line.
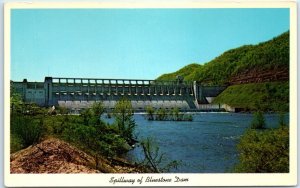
(163,114)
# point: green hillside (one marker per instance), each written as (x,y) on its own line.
(258,62)
(184,72)
(257,75)
(268,96)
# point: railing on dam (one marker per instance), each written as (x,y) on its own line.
(128,87)
(99,81)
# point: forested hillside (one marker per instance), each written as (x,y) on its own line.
(257,75)
(266,61)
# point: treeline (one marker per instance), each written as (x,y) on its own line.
(272,55)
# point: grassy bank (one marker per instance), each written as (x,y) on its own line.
(268,96)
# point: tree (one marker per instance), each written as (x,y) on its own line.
(161,114)
(154,158)
(176,115)
(62,110)
(150,112)
(16,103)
(87,115)
(98,110)
(258,121)
(123,113)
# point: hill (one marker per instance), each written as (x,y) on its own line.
(185,72)
(266,61)
(257,75)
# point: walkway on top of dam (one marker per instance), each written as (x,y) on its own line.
(105,81)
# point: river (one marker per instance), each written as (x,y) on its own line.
(205,145)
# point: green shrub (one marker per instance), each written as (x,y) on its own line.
(264,151)
(161,114)
(28,128)
(16,143)
(150,112)
(188,117)
(61,110)
(176,114)
(98,109)
(87,115)
(258,121)
(281,120)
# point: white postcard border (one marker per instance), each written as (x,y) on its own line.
(226,179)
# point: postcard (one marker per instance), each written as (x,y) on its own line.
(150,94)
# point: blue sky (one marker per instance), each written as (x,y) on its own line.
(131,43)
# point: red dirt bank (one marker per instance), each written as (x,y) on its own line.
(56,156)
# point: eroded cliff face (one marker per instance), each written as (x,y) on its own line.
(56,156)
(259,76)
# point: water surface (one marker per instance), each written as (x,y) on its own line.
(205,145)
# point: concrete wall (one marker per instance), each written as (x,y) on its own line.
(228,108)
(81,92)
(36,96)
(137,105)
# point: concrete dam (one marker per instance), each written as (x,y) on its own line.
(78,93)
